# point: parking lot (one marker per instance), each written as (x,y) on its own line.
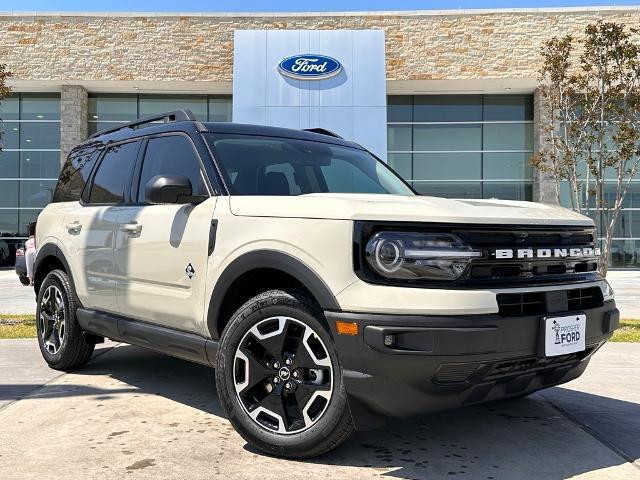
(138,414)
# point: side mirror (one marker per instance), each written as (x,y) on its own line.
(169,189)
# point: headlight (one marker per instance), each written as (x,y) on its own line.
(419,256)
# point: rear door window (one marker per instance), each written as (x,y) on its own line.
(113,173)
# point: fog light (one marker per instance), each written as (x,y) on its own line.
(389,340)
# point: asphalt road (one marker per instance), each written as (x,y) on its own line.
(137,414)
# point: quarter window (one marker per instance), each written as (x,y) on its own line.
(114,170)
(171,155)
(74,174)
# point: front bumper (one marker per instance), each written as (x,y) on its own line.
(441,362)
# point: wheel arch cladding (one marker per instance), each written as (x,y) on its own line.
(48,258)
(272,260)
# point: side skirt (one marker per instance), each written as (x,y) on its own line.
(176,343)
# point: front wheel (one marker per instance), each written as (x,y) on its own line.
(59,335)
(279,378)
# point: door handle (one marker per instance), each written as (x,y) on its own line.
(132,228)
(74,227)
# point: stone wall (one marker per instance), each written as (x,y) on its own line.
(421,46)
(73,118)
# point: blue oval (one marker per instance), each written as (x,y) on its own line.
(309,66)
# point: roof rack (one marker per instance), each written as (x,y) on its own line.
(175,116)
(322,131)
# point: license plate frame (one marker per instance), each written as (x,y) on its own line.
(566,336)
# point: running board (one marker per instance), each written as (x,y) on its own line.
(176,343)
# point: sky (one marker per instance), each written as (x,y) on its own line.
(282,5)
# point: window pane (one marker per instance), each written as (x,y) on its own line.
(36,193)
(400,108)
(39,164)
(447,108)
(220,109)
(9,194)
(447,137)
(113,172)
(98,126)
(625,253)
(508,136)
(8,224)
(10,108)
(508,107)
(447,166)
(75,174)
(156,104)
(40,107)
(40,135)
(8,248)
(171,156)
(113,107)
(25,218)
(401,163)
(506,166)
(399,137)
(9,165)
(10,135)
(449,189)
(507,190)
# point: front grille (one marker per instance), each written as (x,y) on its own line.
(532,364)
(536,303)
(583,298)
(520,304)
(482,372)
(491,269)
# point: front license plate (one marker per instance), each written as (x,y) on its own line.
(564,335)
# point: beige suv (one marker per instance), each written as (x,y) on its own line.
(321,287)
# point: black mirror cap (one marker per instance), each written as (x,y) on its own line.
(168,189)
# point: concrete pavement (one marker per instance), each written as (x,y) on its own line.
(138,414)
(15,297)
(626,286)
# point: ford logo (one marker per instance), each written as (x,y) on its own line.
(309,67)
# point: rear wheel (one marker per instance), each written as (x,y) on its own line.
(59,334)
(279,378)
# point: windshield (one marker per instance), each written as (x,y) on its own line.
(254,165)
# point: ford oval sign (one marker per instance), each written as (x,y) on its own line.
(309,67)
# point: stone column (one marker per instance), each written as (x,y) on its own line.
(73,118)
(544,189)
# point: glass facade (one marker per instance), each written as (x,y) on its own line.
(108,110)
(463,146)
(29,164)
(625,249)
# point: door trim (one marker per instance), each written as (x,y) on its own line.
(184,345)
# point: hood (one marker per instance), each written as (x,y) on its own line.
(402,208)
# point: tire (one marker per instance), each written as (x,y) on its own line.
(315,416)
(24,280)
(59,335)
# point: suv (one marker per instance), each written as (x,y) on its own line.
(319,285)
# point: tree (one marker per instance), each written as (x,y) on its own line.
(4,89)
(592,136)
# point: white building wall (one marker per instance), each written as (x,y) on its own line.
(352,104)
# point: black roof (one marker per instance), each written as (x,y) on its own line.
(184,121)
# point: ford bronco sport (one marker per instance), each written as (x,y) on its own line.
(319,285)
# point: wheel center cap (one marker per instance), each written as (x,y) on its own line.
(284,373)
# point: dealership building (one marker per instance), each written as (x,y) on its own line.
(448,98)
